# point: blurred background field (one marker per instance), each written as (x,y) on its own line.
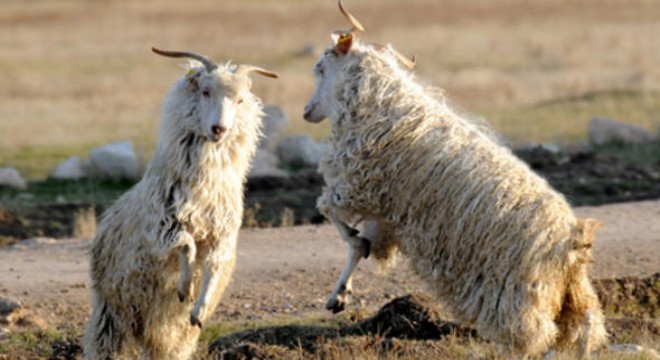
(75,74)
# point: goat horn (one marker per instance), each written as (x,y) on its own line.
(246,69)
(409,63)
(354,21)
(208,64)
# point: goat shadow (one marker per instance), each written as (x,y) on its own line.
(411,317)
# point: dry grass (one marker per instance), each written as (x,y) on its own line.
(79,73)
(313,338)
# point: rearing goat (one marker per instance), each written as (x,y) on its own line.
(182,217)
(494,242)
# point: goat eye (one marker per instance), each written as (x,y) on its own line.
(239,101)
(206,93)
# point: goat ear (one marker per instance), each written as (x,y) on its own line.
(343,42)
(192,77)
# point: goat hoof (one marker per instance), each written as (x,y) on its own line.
(335,306)
(194,321)
(339,308)
(366,247)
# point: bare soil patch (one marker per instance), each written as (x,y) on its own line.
(286,273)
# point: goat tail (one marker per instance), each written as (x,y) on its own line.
(583,239)
(581,316)
(101,340)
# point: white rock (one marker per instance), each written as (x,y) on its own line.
(116,160)
(551,148)
(8,306)
(604,131)
(73,168)
(266,163)
(12,178)
(303,149)
(275,125)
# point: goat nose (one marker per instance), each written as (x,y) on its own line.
(218,130)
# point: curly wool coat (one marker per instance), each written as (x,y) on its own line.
(194,186)
(492,239)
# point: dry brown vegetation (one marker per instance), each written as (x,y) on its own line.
(78,73)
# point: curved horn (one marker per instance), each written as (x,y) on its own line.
(208,64)
(354,21)
(409,63)
(246,69)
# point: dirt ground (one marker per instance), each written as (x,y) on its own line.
(290,271)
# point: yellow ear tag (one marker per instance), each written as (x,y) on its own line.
(345,38)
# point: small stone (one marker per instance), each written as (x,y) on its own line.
(8,306)
(12,178)
(605,131)
(73,168)
(116,160)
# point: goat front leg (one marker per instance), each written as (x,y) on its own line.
(187,254)
(216,273)
(179,240)
(358,248)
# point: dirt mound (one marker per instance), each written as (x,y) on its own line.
(630,296)
(621,330)
(283,201)
(248,351)
(411,317)
(593,177)
(53,220)
(11,228)
(414,316)
(631,303)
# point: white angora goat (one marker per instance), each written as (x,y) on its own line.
(493,240)
(165,251)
